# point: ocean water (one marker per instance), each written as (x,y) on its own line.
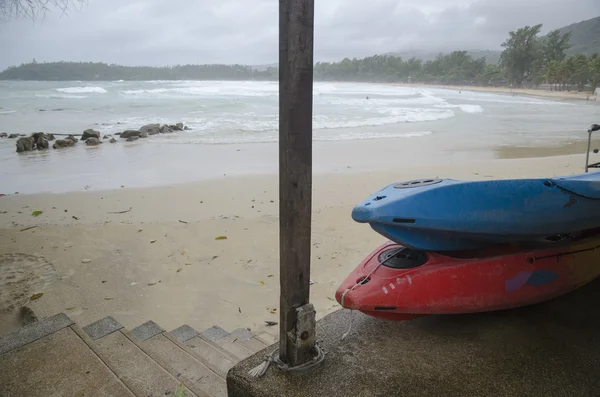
(235,126)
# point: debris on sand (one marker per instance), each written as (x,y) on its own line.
(36,296)
(121,212)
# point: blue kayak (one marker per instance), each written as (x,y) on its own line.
(454,215)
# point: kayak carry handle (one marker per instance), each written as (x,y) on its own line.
(593,128)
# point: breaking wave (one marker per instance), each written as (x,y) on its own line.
(464,107)
(81,90)
(61,96)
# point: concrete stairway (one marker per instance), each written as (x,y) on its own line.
(57,357)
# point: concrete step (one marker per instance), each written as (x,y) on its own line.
(138,371)
(247,340)
(214,333)
(254,345)
(216,337)
(266,338)
(48,358)
(177,361)
(205,351)
(232,344)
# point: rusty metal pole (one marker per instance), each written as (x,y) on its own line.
(297,315)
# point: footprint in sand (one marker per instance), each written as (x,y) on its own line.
(21,276)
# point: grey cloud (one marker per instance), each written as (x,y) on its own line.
(163,32)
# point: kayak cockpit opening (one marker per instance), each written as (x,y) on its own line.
(402,258)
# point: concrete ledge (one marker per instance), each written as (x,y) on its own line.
(242,334)
(146,331)
(32,332)
(184,333)
(214,333)
(102,327)
(549,349)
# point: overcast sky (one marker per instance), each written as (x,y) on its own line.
(167,32)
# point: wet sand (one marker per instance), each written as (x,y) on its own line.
(152,253)
(559,149)
(550,94)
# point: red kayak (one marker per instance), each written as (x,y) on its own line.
(398,283)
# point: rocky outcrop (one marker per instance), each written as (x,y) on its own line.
(37,135)
(129,133)
(151,129)
(25,144)
(27,316)
(186,128)
(41,143)
(91,137)
(90,133)
(93,141)
(3,134)
(62,143)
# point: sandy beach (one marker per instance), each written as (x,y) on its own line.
(129,229)
(543,93)
(152,253)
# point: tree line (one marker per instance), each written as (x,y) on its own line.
(530,60)
(527,60)
(90,71)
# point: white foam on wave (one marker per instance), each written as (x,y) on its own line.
(61,96)
(377,103)
(249,122)
(323,88)
(81,90)
(471,108)
(412,115)
(505,97)
(138,92)
(464,107)
(7,111)
(199,91)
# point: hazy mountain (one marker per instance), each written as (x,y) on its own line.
(585,37)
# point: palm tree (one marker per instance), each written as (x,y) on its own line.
(565,71)
(594,69)
(552,76)
(579,70)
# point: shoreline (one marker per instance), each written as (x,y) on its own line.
(152,252)
(341,158)
(541,93)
